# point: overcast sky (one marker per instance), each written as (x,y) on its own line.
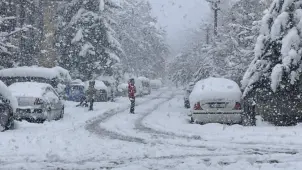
(176,16)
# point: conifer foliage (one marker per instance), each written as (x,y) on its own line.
(277,62)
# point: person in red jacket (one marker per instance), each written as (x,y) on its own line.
(131,94)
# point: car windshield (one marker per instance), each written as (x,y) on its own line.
(151,84)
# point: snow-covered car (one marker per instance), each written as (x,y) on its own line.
(37,102)
(146,88)
(155,84)
(139,87)
(122,90)
(110,83)
(216,100)
(8,105)
(188,91)
(102,91)
(57,77)
(75,91)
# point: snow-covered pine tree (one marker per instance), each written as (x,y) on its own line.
(9,33)
(277,62)
(274,76)
(142,40)
(86,40)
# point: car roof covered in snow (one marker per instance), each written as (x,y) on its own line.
(77,82)
(110,79)
(34,71)
(6,94)
(145,79)
(28,89)
(99,85)
(215,88)
(63,73)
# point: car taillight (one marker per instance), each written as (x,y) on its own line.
(38,101)
(237,106)
(197,106)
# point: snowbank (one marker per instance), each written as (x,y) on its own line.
(215,88)
(6,94)
(28,89)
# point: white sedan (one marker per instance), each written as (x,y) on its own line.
(37,102)
(216,100)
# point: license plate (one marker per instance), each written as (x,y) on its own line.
(216,105)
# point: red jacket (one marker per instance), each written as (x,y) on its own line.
(131,90)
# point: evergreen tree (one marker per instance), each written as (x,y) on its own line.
(142,40)
(9,33)
(86,40)
(277,62)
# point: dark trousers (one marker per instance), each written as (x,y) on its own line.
(132,100)
(91,104)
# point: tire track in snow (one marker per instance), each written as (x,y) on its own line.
(161,160)
(248,149)
(94,126)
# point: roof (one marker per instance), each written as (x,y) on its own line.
(28,89)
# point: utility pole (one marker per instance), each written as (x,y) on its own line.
(215,7)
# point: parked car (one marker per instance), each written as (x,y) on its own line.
(8,105)
(57,77)
(102,91)
(216,100)
(37,102)
(110,83)
(188,91)
(146,88)
(122,90)
(156,84)
(139,87)
(75,91)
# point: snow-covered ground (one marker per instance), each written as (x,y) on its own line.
(158,136)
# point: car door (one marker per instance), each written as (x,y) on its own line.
(54,101)
(58,102)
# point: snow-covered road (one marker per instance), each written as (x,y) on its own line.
(158,136)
